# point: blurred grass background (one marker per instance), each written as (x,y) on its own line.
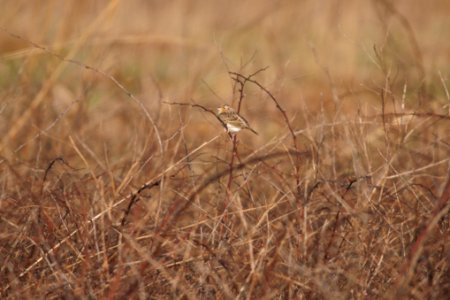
(183,50)
(364,84)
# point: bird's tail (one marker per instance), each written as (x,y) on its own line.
(252,130)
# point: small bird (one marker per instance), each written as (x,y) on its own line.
(233,120)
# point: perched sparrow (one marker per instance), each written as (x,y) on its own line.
(232,119)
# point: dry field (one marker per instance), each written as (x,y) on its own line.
(117,180)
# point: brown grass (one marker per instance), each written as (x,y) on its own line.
(118,182)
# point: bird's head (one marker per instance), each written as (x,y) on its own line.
(224,109)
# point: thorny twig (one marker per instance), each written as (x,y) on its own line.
(208,110)
(241,81)
(136,196)
(245,79)
(50,166)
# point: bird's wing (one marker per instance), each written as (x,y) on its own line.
(243,120)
